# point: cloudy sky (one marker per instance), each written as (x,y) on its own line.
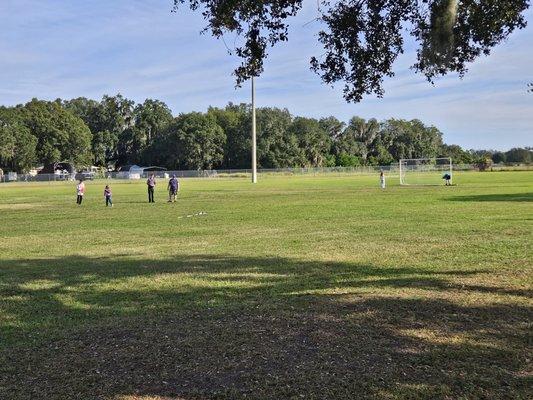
(66,49)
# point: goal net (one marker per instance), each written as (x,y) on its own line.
(424,171)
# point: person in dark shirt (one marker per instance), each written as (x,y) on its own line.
(447,179)
(151,186)
(173,188)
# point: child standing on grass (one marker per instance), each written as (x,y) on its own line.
(80,191)
(107,195)
(382,179)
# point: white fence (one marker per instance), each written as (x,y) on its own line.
(390,170)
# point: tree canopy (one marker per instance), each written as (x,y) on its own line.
(363,38)
(115,131)
(60,134)
(17,144)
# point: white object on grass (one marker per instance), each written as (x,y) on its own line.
(193,215)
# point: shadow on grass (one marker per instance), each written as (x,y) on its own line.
(233,327)
(517,197)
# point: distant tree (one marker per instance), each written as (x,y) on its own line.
(313,140)
(277,146)
(115,117)
(362,39)
(104,147)
(192,141)
(480,154)
(17,144)
(235,120)
(410,139)
(107,121)
(358,138)
(123,132)
(519,155)
(348,160)
(91,112)
(457,154)
(84,108)
(149,120)
(8,133)
(499,157)
(152,117)
(333,127)
(130,146)
(380,155)
(330,160)
(60,134)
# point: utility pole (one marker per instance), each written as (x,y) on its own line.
(254,136)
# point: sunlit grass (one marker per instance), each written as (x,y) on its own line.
(416,277)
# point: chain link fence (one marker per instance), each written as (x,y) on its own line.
(390,171)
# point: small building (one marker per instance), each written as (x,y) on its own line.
(157,171)
(136,172)
(129,172)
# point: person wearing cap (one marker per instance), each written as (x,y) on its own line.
(173,187)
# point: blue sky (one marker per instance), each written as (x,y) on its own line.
(66,49)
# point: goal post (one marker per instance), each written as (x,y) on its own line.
(424,171)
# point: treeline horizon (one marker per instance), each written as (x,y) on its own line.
(116,131)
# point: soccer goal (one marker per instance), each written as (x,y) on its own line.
(424,171)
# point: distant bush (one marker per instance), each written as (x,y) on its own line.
(348,160)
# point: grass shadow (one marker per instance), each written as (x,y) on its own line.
(514,197)
(222,327)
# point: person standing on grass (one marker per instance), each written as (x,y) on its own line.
(151,186)
(80,191)
(173,188)
(107,196)
(382,179)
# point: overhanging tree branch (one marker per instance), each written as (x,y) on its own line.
(362,39)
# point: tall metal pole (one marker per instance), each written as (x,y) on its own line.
(254,136)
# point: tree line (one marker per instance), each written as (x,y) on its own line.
(115,131)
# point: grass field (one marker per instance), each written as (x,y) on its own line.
(296,288)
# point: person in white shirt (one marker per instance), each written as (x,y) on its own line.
(151,186)
(80,191)
(382,179)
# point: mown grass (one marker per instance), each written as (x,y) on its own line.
(298,287)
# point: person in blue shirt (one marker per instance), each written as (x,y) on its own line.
(173,188)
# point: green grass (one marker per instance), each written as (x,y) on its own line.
(298,287)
